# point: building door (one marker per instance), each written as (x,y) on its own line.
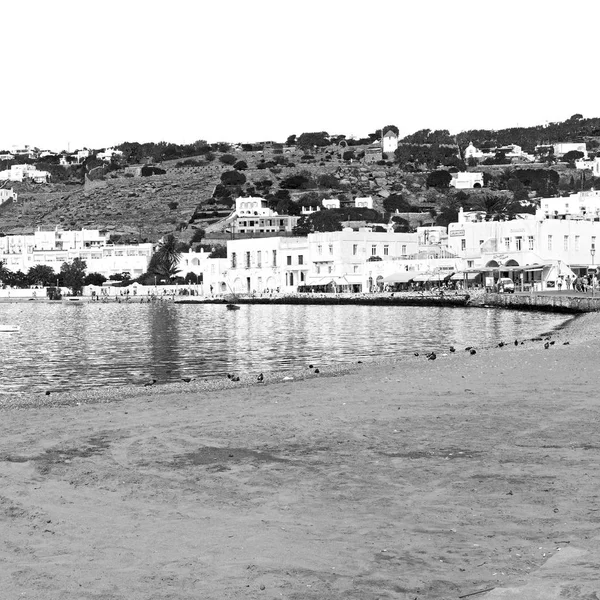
(248,286)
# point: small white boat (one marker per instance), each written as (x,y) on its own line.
(9,328)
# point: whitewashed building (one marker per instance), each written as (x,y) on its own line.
(24,172)
(389,142)
(466,180)
(53,248)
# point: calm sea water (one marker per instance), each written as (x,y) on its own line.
(78,347)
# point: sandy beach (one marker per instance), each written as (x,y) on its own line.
(408,479)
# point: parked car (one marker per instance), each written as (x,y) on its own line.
(506,284)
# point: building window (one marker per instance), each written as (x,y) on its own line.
(319,249)
(289,260)
(274,258)
(356,268)
(576,242)
(507,243)
(300,259)
(233,260)
(403,249)
(354,249)
(566,242)
(329,269)
(386,250)
(318,269)
(330,248)
(259,259)
(518,243)
(463,244)
(530,242)
(247,260)
(470,264)
(374,250)
(549,242)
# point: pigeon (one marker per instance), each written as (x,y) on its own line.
(47,393)
(310,366)
(546,345)
(501,345)
(566,343)
(452,349)
(235,378)
(260,378)
(516,342)
(416,354)
(186,379)
(317,371)
(149,383)
(229,376)
(472,351)
(468,348)
(552,343)
(360,362)
(431,356)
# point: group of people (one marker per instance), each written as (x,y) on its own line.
(581,283)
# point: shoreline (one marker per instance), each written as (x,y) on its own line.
(111,394)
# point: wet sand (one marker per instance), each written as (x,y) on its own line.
(409,479)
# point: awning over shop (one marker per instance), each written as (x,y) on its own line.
(469,275)
(401,277)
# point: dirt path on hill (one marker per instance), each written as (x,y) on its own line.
(422,479)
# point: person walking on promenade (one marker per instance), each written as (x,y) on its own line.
(559,284)
(568,282)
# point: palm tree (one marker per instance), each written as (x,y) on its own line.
(496,206)
(167,257)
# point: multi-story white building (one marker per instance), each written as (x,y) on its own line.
(356,260)
(270,263)
(535,249)
(563,148)
(53,248)
(210,272)
(22,172)
(253,216)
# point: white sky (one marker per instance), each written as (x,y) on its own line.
(95,74)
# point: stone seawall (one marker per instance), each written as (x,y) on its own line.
(539,302)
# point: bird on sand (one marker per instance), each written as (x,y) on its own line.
(317,371)
(546,345)
(472,351)
(260,378)
(452,349)
(566,343)
(501,345)
(516,342)
(468,348)
(236,378)
(186,379)
(229,376)
(149,383)
(431,356)
(416,354)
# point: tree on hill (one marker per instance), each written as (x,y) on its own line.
(233,178)
(297,182)
(316,138)
(240,165)
(439,179)
(291,140)
(395,202)
(227,159)
(572,156)
(496,206)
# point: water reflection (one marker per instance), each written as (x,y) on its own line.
(71,347)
